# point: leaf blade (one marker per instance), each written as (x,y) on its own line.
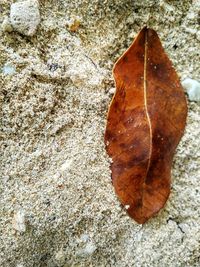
(139,138)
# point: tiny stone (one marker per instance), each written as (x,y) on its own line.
(8,69)
(53,67)
(84,237)
(19,221)
(112,90)
(66,165)
(90,248)
(25,17)
(193,89)
(73,24)
(87,251)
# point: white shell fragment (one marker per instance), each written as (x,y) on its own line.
(19,221)
(25,17)
(192,88)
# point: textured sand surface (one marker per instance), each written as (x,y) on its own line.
(57,203)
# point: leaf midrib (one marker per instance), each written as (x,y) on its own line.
(146,111)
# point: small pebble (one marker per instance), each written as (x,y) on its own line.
(84,237)
(193,89)
(25,17)
(73,24)
(112,90)
(8,69)
(87,251)
(19,221)
(66,165)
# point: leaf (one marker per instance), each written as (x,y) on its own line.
(145,123)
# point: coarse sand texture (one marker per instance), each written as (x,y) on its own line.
(58,207)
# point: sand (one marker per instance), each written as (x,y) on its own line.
(57,204)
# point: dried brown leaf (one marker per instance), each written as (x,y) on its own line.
(145,123)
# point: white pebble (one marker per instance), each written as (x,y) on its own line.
(87,251)
(90,249)
(112,90)
(19,221)
(84,237)
(193,89)
(25,17)
(66,165)
(8,69)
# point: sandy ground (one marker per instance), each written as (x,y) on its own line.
(54,169)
